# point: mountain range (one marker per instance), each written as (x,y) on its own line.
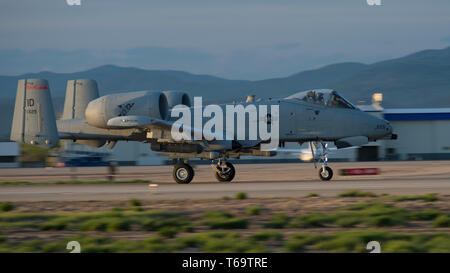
(421,79)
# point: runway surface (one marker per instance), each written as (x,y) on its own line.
(257,180)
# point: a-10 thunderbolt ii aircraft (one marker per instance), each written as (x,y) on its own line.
(315,116)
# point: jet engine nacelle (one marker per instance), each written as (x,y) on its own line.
(142,103)
(176,98)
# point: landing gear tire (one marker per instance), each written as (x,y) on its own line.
(327,175)
(183,173)
(227,174)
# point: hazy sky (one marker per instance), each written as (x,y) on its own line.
(258,38)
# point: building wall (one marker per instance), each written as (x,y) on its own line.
(421,139)
(9,154)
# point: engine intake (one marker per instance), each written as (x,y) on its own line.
(175,98)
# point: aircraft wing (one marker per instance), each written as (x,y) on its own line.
(84,136)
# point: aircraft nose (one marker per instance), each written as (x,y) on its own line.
(389,127)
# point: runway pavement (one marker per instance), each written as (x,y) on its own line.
(257,180)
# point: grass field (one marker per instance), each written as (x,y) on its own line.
(309,224)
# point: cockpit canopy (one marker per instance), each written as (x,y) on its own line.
(325,97)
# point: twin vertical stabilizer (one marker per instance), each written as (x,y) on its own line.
(34,119)
(78,94)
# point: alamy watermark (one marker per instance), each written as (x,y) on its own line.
(374,2)
(73,2)
(228,122)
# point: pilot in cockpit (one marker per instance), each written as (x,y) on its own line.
(319,98)
(310,97)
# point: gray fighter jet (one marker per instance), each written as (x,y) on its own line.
(316,116)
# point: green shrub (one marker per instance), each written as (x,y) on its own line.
(401,247)
(428,197)
(199,239)
(232,245)
(424,215)
(363,205)
(310,220)
(187,228)
(372,209)
(157,224)
(228,223)
(94,225)
(56,224)
(168,232)
(155,220)
(116,224)
(266,235)
(190,241)
(356,193)
(6,206)
(438,243)
(385,221)
(217,214)
(295,245)
(313,194)
(218,220)
(441,221)
(31,246)
(241,195)
(344,242)
(55,247)
(135,202)
(301,242)
(157,245)
(353,241)
(221,242)
(348,221)
(279,220)
(254,210)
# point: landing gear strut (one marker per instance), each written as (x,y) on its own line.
(224,171)
(183,173)
(325,172)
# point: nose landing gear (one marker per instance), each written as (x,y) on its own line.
(325,172)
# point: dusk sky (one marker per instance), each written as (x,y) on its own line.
(238,39)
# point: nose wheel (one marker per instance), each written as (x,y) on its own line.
(183,173)
(325,172)
(224,171)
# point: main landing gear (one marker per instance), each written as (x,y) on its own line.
(223,170)
(183,173)
(319,149)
